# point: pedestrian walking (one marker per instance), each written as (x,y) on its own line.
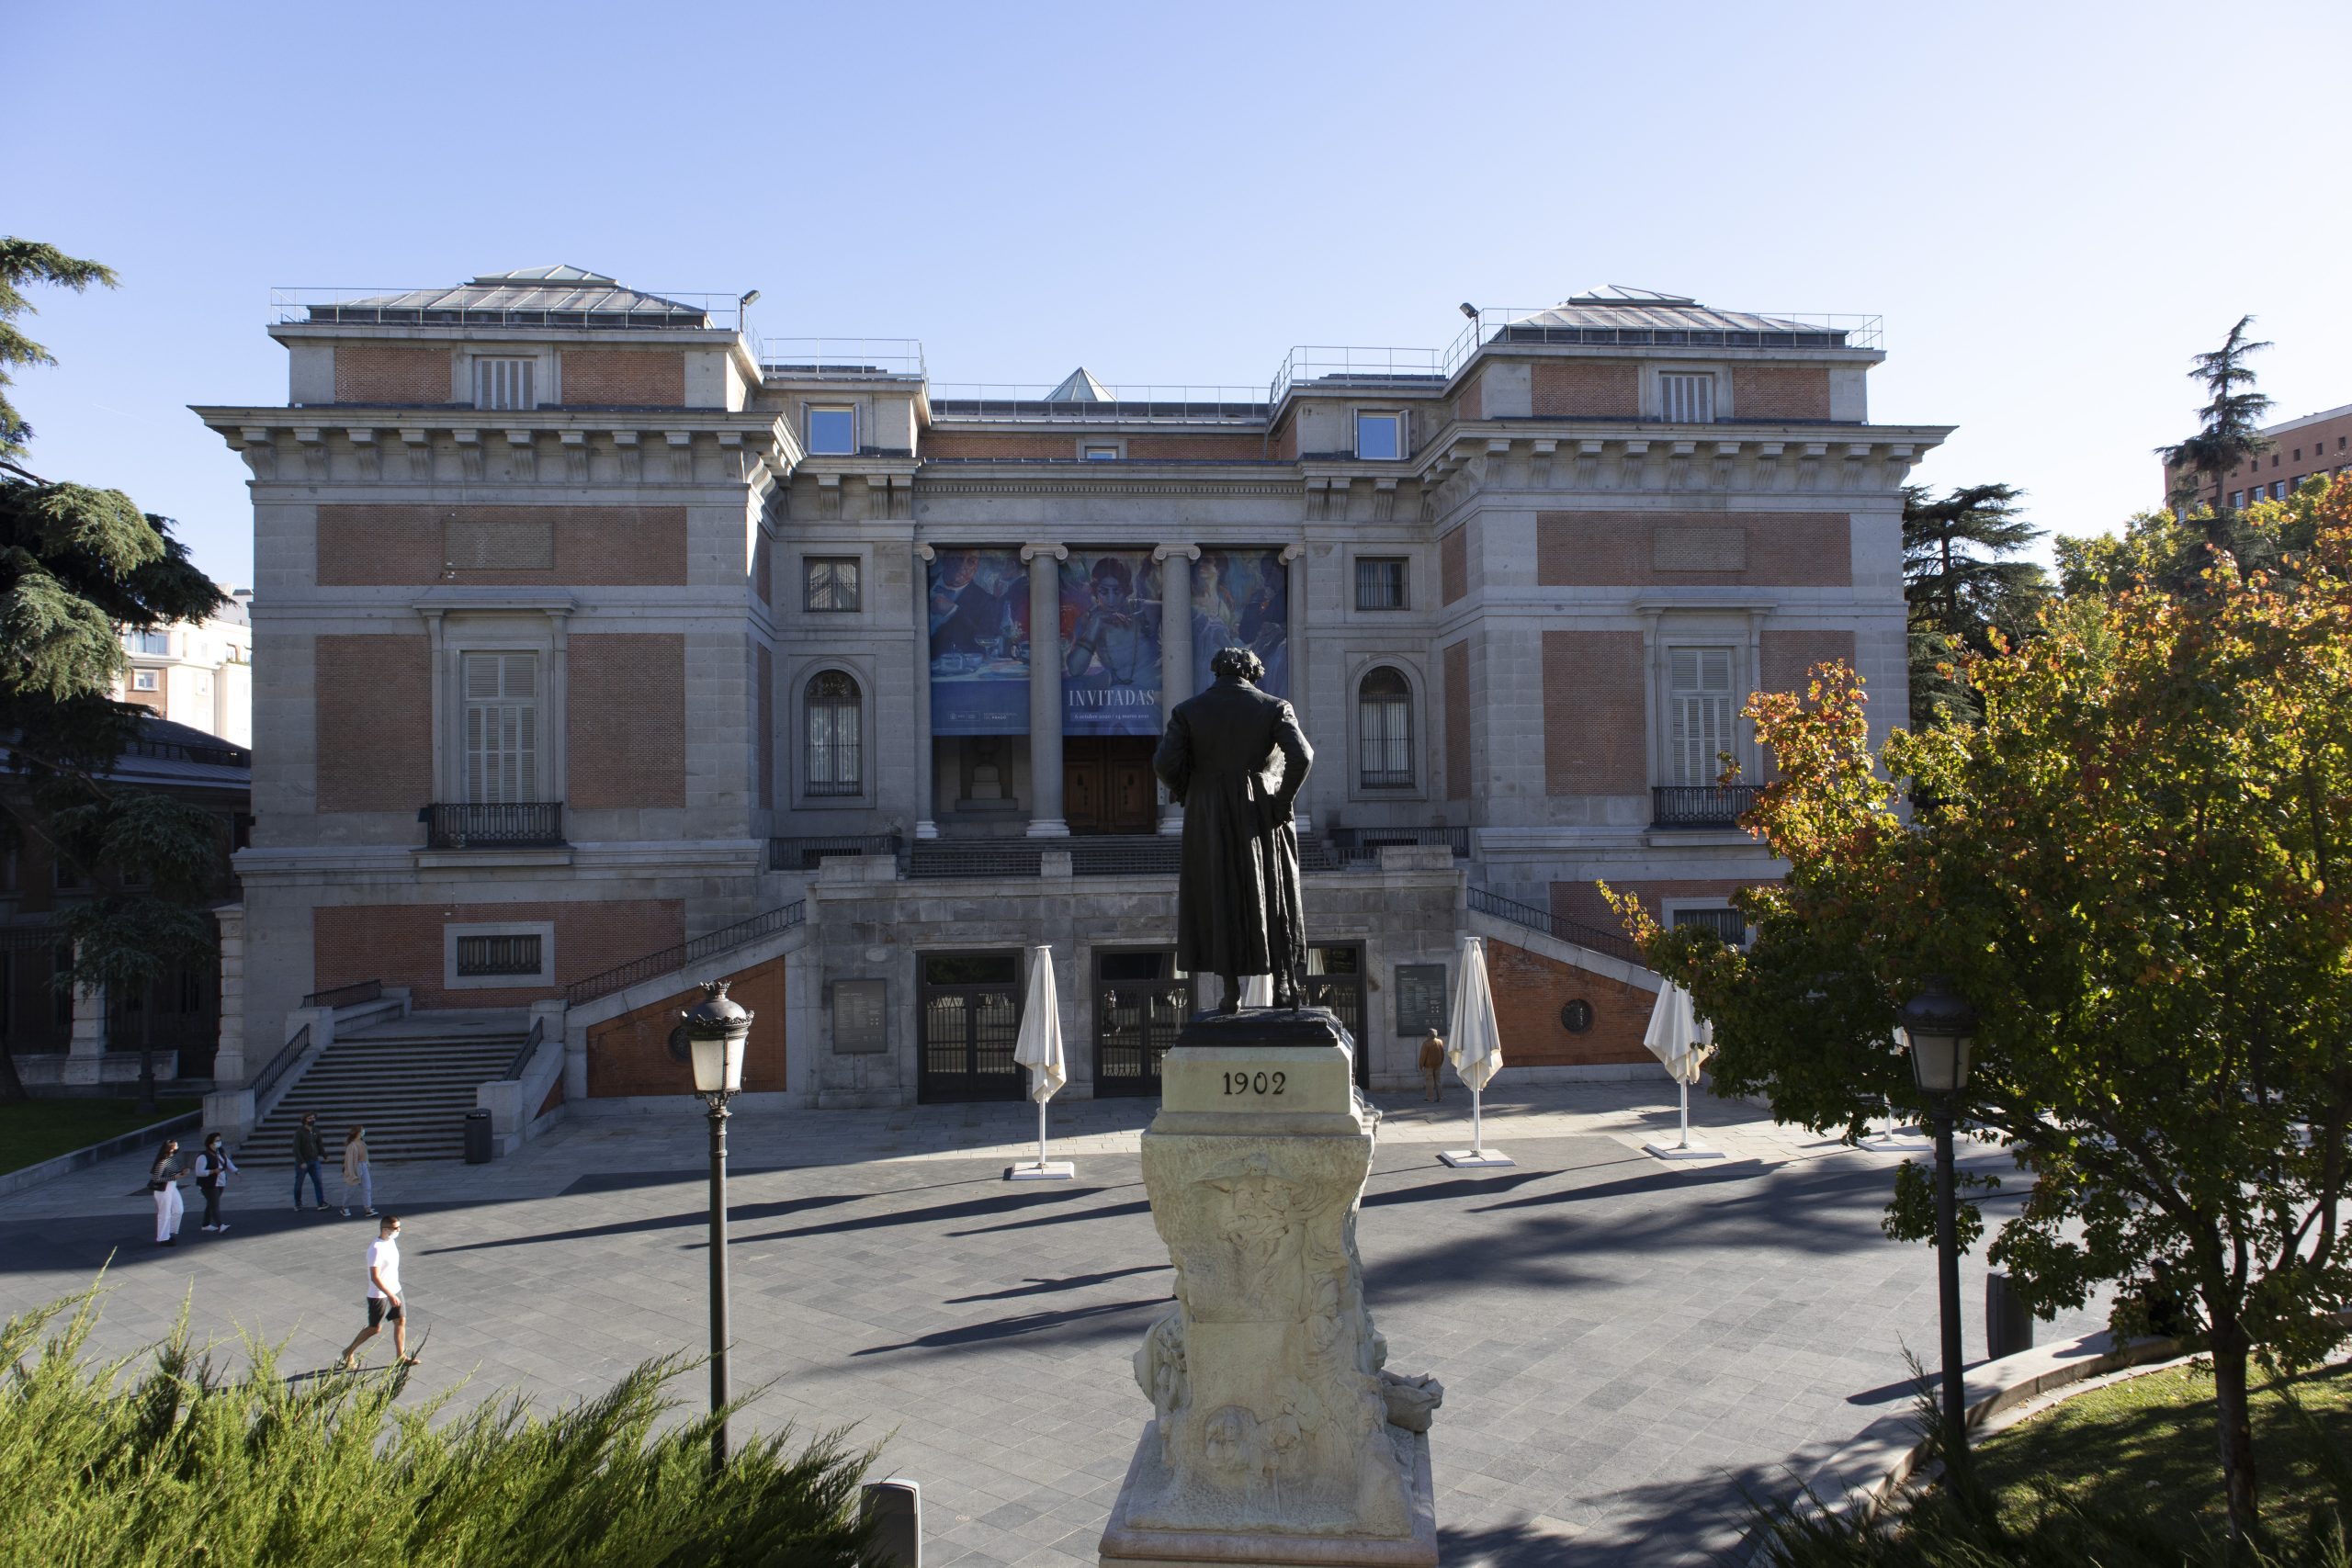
(308,1152)
(385,1301)
(355,1173)
(163,1182)
(212,1169)
(1432,1060)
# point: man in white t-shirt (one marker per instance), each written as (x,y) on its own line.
(384,1298)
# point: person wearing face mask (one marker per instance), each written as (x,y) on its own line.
(212,1167)
(163,1182)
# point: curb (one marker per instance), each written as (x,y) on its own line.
(15,1181)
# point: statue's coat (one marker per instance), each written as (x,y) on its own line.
(1238,909)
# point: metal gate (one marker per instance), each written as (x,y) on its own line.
(970,1009)
(1141,1001)
(1335,980)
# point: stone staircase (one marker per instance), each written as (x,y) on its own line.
(410,1081)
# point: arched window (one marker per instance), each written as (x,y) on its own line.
(832,762)
(1385,731)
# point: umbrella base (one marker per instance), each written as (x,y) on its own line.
(1473,1159)
(1692,1151)
(1051,1171)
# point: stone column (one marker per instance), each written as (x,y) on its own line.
(1175,647)
(1295,635)
(1045,690)
(926,788)
(86,1046)
(229,1056)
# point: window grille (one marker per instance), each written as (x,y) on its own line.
(498,955)
(833,763)
(1701,704)
(1688,400)
(830,583)
(503,384)
(1728,924)
(1385,731)
(1380,582)
(502,706)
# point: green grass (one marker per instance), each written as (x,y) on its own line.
(34,1130)
(2146,1445)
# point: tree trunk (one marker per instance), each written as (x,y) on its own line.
(2235,1424)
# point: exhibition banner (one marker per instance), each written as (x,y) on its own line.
(979,642)
(1109,643)
(1241,599)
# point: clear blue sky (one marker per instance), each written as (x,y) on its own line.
(2052,205)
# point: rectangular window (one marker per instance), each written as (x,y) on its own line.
(143,681)
(159,643)
(1380,436)
(498,955)
(1100,454)
(2278,490)
(1728,924)
(828,582)
(834,766)
(505,384)
(1700,720)
(501,709)
(1687,399)
(832,432)
(1380,582)
(2237,500)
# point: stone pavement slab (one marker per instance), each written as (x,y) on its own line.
(1626,1345)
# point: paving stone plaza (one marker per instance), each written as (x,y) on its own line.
(1627,1347)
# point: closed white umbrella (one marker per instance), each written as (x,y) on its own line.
(1039,1048)
(1683,1040)
(1476,1047)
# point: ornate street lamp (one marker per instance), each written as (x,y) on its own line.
(1941,1027)
(716,1031)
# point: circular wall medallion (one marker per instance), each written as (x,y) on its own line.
(1577,1016)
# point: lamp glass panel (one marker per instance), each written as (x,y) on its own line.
(710,1067)
(735,1044)
(1935,1061)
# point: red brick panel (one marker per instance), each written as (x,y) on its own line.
(1595,714)
(1624,549)
(400,945)
(594,546)
(1581,901)
(1454,564)
(1569,389)
(631,1054)
(766,727)
(1790,656)
(625,736)
(623,377)
(1472,401)
(1531,989)
(1457,720)
(372,703)
(1286,441)
(987,444)
(1778,392)
(1247,448)
(403,375)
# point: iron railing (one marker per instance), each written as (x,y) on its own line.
(1616,945)
(623,976)
(843,358)
(349,996)
(174,751)
(1728,924)
(803,853)
(1370,367)
(1128,404)
(591,307)
(1805,328)
(287,1055)
(479,825)
(1362,845)
(530,1046)
(1701,805)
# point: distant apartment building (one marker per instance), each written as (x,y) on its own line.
(198,673)
(2315,443)
(603,648)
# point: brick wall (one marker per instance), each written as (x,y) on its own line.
(367,547)
(1286,443)
(989,443)
(400,945)
(623,377)
(1788,656)
(1581,901)
(630,1055)
(372,706)
(1778,392)
(1640,550)
(626,720)
(1454,564)
(1457,720)
(1595,714)
(365,374)
(1245,448)
(1472,401)
(767,726)
(1531,989)
(1568,390)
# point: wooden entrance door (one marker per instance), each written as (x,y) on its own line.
(1107,785)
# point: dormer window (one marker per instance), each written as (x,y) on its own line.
(1687,399)
(1380,437)
(832,432)
(505,384)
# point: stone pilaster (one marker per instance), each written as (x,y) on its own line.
(926,790)
(1045,690)
(229,1056)
(1175,647)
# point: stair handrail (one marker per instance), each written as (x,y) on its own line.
(355,995)
(1556,926)
(287,1055)
(531,1047)
(621,976)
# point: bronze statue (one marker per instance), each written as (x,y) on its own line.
(1237,909)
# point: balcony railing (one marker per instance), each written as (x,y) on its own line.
(1702,806)
(1362,846)
(502,825)
(803,853)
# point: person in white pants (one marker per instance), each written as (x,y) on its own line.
(163,1182)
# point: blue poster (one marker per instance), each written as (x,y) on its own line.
(1109,643)
(1241,599)
(979,642)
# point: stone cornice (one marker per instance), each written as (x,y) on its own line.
(351,444)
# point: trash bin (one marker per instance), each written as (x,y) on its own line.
(2008,1327)
(476,1137)
(895,1509)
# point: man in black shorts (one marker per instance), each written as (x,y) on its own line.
(384,1300)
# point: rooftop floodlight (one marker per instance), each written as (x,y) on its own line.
(1469,310)
(747,300)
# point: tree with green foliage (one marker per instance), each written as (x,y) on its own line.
(2229,430)
(2136,868)
(78,567)
(1965,587)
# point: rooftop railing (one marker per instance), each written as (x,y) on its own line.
(1129,404)
(1375,366)
(438,307)
(1512,325)
(841,358)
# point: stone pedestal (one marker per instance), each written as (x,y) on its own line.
(1277,1436)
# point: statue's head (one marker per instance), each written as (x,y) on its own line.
(1237,665)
